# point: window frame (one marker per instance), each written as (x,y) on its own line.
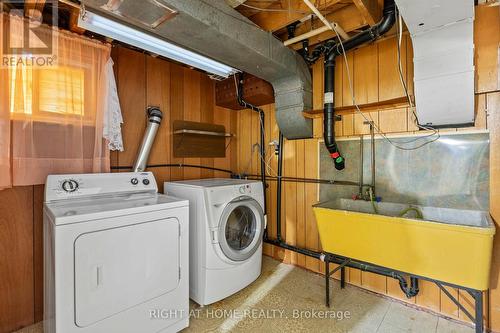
(40,115)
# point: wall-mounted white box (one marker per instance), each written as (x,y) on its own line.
(443,42)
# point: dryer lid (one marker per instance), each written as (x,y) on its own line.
(81,210)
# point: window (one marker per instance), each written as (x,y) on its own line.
(52,116)
(48,92)
(61,90)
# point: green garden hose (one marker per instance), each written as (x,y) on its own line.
(415,209)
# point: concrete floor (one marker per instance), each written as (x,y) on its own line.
(285,297)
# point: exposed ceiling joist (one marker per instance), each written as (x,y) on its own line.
(235,3)
(250,8)
(349,18)
(297,9)
(370,9)
(489,2)
(332,26)
(33,9)
(74,11)
(73,22)
(69,3)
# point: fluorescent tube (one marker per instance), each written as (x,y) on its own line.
(128,35)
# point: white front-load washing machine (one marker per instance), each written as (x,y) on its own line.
(115,255)
(225,235)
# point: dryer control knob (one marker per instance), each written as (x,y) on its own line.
(70,185)
(242,189)
(134,181)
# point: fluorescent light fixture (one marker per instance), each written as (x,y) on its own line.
(128,35)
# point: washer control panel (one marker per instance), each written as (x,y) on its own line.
(59,187)
(245,189)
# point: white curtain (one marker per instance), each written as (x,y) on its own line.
(51,117)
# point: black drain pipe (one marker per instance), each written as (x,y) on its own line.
(331,50)
(329,115)
(327,257)
(409,291)
(412,290)
(262,148)
(279,188)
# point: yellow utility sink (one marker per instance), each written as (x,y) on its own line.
(450,245)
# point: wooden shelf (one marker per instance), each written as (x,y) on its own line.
(195,139)
(395,103)
(199,132)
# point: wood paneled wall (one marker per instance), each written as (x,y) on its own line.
(187,94)
(182,94)
(21,257)
(375,78)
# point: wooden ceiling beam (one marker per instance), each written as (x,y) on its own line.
(272,21)
(348,17)
(252,7)
(73,10)
(33,9)
(73,21)
(235,3)
(369,9)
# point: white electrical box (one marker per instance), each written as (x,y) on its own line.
(442,33)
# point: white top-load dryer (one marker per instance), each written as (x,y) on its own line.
(226,228)
(115,255)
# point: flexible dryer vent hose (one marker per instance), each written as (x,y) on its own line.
(154,120)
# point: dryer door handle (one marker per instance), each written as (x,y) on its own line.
(99,276)
(214,235)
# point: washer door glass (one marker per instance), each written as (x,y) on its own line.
(241,228)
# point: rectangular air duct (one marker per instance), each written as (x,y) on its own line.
(442,36)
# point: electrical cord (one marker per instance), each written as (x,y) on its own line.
(274,9)
(399,35)
(236,15)
(263,158)
(399,26)
(266,162)
(305,180)
(242,102)
(370,120)
(175,165)
(249,163)
(228,143)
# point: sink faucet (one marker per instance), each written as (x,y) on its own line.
(368,195)
(371,193)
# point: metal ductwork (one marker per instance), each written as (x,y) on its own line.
(214,29)
(154,121)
